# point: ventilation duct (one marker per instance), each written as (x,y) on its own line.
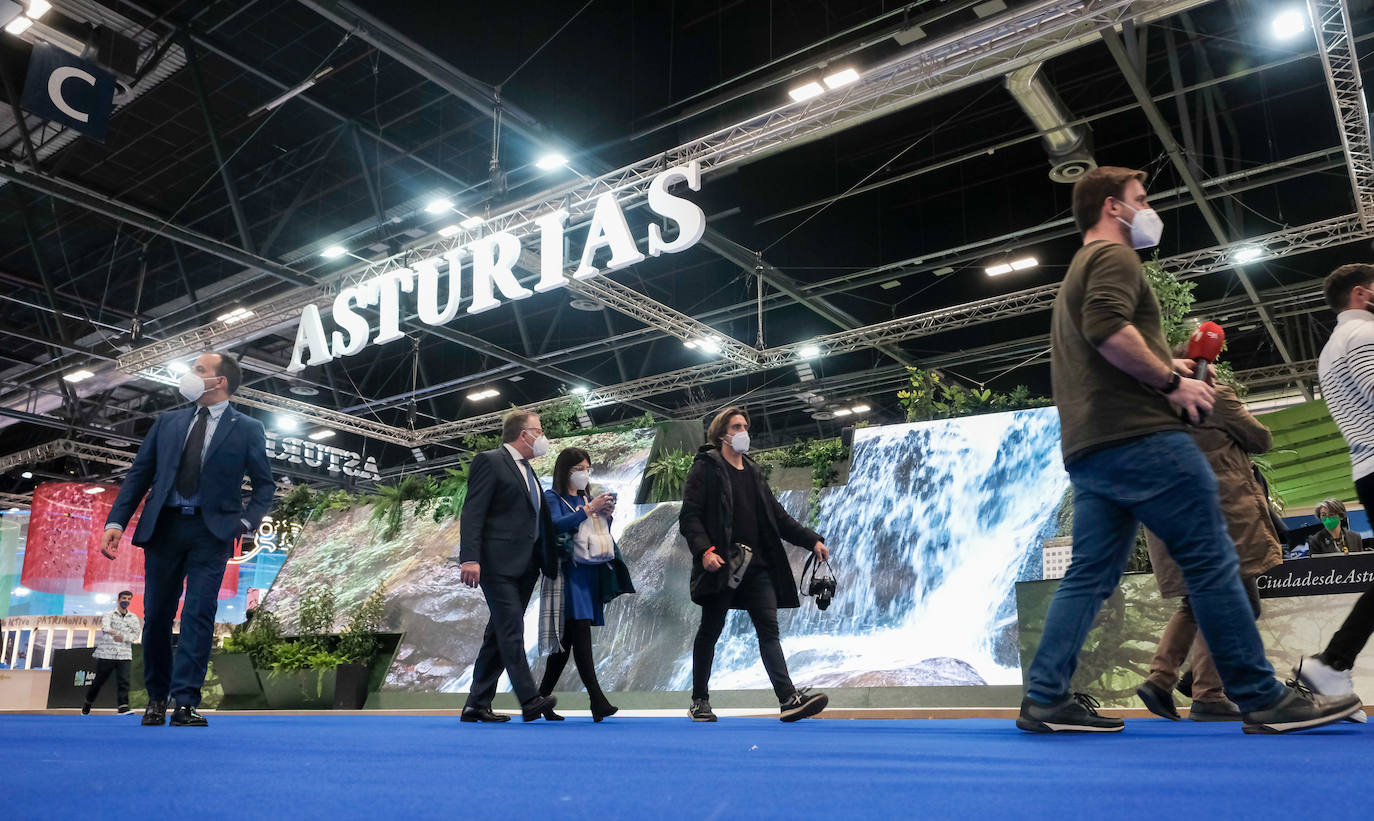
(1069,147)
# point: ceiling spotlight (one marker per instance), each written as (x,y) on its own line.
(805,92)
(236,315)
(998,270)
(287,423)
(809,351)
(304,390)
(1024,263)
(689,344)
(588,305)
(843,77)
(843,412)
(943,272)
(438,206)
(1249,253)
(1289,23)
(78,376)
(471,223)
(19,25)
(484,394)
(711,345)
(94,490)
(550,161)
(449,231)
(178,368)
(861,409)
(321,434)
(334,252)
(28,474)
(580,390)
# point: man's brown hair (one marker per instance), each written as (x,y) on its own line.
(513,423)
(228,367)
(1093,189)
(721,423)
(1340,282)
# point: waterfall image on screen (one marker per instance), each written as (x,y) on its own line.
(937,523)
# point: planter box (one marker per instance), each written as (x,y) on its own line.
(350,688)
(238,680)
(304,690)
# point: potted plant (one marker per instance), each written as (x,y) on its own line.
(303,674)
(250,647)
(357,650)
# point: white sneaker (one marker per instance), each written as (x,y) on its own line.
(1321,678)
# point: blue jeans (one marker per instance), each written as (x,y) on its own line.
(1164,482)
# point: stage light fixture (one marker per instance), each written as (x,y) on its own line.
(806,91)
(843,412)
(19,25)
(484,394)
(38,8)
(809,351)
(287,423)
(843,77)
(321,434)
(438,206)
(178,368)
(28,474)
(711,345)
(334,252)
(1289,23)
(550,161)
(1248,253)
(234,316)
(1024,263)
(998,270)
(861,409)
(93,490)
(471,223)
(449,231)
(580,390)
(689,344)
(78,376)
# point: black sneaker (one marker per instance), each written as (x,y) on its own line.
(803,705)
(701,710)
(123,709)
(1074,713)
(1300,709)
(86,709)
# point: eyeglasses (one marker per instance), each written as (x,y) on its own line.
(538,431)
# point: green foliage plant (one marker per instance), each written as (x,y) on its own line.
(930,397)
(389,502)
(668,473)
(359,643)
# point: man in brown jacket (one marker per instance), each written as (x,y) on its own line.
(1227,438)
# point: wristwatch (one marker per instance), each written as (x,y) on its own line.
(1175,379)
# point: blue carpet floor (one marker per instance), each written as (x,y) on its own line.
(383,767)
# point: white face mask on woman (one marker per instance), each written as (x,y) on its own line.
(580,479)
(740,441)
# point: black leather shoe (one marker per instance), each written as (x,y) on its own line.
(549,714)
(603,710)
(186,716)
(1157,700)
(535,707)
(483,714)
(156,714)
(86,709)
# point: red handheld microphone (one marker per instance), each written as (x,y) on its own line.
(1204,346)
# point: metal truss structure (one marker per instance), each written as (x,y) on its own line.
(58,448)
(1336,47)
(1278,374)
(22,501)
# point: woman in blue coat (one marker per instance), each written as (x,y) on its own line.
(591,574)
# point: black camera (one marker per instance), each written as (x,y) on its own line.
(822,588)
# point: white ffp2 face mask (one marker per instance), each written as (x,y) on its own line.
(539,447)
(740,441)
(191,386)
(580,479)
(1146,228)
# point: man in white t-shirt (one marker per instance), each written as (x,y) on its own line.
(1346,369)
(119,629)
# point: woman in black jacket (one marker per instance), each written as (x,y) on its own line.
(726,503)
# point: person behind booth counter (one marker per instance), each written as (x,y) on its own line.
(191,466)
(591,574)
(119,629)
(725,503)
(1335,535)
(1226,437)
(1131,461)
(505,541)
(1346,371)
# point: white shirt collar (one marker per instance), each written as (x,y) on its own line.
(518,457)
(217,409)
(1354,315)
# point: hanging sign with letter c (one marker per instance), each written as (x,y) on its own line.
(66,89)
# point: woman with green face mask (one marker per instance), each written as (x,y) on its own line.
(1335,535)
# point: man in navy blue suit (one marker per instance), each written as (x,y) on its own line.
(191,465)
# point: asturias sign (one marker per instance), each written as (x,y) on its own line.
(492,269)
(325,457)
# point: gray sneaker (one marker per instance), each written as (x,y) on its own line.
(803,705)
(1074,713)
(701,710)
(1300,709)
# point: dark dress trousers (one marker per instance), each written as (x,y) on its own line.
(190,546)
(503,530)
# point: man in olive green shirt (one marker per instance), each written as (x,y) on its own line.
(1121,403)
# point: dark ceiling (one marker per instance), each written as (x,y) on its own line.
(353,160)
